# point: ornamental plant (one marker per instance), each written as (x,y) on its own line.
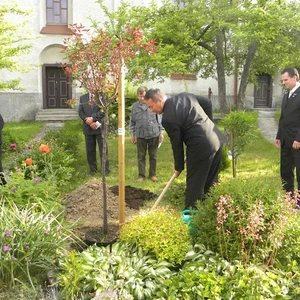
(46,161)
(161,232)
(241,129)
(245,219)
(28,191)
(31,242)
(96,60)
(124,271)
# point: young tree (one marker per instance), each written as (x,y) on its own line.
(241,129)
(14,42)
(96,60)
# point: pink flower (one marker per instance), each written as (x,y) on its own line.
(7,233)
(12,146)
(5,248)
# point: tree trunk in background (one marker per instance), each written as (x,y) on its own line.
(219,54)
(245,75)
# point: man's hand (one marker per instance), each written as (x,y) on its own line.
(177,173)
(161,138)
(296,145)
(133,140)
(89,121)
(93,126)
(277,143)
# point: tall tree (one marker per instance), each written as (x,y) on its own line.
(14,42)
(215,38)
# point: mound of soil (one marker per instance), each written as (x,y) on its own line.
(85,205)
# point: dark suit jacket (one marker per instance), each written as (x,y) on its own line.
(289,122)
(86,110)
(186,122)
(1,127)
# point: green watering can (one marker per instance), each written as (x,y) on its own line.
(187,218)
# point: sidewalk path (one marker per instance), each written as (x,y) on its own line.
(267,125)
(46,128)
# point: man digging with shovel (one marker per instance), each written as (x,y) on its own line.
(187,119)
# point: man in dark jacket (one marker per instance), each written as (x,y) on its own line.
(92,118)
(2,178)
(187,118)
(288,135)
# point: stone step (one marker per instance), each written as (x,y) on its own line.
(56,115)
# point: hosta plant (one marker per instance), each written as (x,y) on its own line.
(123,272)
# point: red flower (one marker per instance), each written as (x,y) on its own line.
(44,148)
(28,161)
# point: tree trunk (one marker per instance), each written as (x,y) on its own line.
(219,54)
(104,159)
(245,75)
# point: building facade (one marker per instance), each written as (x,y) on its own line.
(46,84)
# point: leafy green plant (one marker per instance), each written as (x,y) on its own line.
(161,231)
(25,192)
(68,138)
(244,219)
(49,163)
(240,128)
(31,242)
(125,272)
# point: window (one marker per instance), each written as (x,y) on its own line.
(57,12)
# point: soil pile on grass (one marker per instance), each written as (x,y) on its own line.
(85,205)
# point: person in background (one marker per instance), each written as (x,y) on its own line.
(92,118)
(187,119)
(146,132)
(2,177)
(288,134)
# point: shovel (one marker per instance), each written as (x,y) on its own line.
(163,192)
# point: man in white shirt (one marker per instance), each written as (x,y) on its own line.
(288,135)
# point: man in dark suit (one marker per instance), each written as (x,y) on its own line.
(187,118)
(288,135)
(2,178)
(92,118)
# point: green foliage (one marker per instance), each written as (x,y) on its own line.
(225,162)
(290,250)
(240,129)
(31,191)
(54,166)
(14,39)
(124,272)
(244,219)
(68,138)
(161,231)
(31,242)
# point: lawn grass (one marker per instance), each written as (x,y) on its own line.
(259,158)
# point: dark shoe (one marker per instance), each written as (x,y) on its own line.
(107,173)
(93,173)
(2,179)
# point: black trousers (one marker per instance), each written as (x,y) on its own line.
(201,175)
(142,146)
(289,161)
(90,145)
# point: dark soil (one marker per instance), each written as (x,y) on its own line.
(85,205)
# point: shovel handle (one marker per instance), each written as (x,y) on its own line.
(163,191)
